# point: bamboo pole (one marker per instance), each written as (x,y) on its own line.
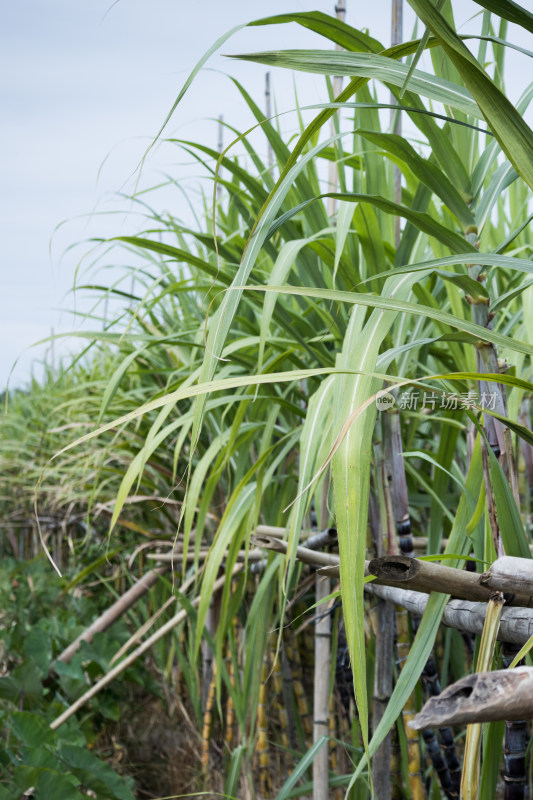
(321,689)
(428,576)
(333,175)
(114,612)
(483,697)
(302,553)
(113,673)
(268,114)
(400,572)
(516,624)
(220,148)
(510,574)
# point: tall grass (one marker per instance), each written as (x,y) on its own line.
(243,388)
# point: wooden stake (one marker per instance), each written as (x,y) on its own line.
(268,114)
(333,176)
(321,689)
(396,38)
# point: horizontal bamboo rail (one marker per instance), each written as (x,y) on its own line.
(505,694)
(510,574)
(401,572)
(516,624)
(304,554)
(428,576)
(176,556)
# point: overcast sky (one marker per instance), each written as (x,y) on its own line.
(88,83)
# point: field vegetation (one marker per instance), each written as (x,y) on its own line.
(344,351)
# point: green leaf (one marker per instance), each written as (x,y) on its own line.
(94,773)
(509,10)
(409,308)
(301,768)
(509,127)
(421,221)
(367,65)
(425,170)
(31,729)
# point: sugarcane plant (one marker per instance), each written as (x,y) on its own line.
(292,360)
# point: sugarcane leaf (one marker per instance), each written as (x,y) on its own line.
(473,289)
(399,305)
(509,10)
(421,221)
(351,470)
(522,653)
(485,259)
(509,127)
(333,29)
(301,768)
(345,213)
(368,65)
(425,170)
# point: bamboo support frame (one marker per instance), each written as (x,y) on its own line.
(114,612)
(481,697)
(516,624)
(401,571)
(113,673)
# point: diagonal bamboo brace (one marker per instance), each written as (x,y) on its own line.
(483,697)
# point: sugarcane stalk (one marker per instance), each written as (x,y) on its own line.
(229,725)
(207,722)
(293,656)
(409,710)
(445,761)
(515,743)
(262,731)
(277,680)
(333,735)
(385,628)
(211,622)
(472,753)
(288,695)
(397,513)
